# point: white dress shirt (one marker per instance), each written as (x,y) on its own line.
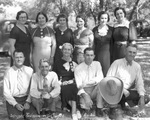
(128,74)
(52,83)
(10,84)
(87,74)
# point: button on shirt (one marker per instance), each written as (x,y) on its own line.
(11,81)
(128,73)
(86,74)
(52,84)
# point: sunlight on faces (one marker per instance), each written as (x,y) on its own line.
(89,56)
(67,49)
(41,20)
(103,19)
(18,59)
(44,67)
(80,22)
(131,53)
(22,18)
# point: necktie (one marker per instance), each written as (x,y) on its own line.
(45,83)
(19,80)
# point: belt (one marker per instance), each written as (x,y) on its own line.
(67,82)
(121,42)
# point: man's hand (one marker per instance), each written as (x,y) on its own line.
(26,106)
(19,107)
(88,100)
(126,92)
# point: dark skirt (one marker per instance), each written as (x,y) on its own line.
(68,93)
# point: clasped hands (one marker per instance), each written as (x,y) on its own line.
(22,107)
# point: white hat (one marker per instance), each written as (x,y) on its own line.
(111,89)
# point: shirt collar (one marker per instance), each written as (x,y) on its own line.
(15,68)
(42,77)
(89,65)
(128,63)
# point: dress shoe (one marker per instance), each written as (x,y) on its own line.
(99,112)
(115,113)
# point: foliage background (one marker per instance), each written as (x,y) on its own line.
(136,9)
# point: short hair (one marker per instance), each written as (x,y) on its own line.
(120,8)
(83,17)
(19,13)
(102,13)
(88,49)
(17,51)
(67,44)
(44,60)
(62,16)
(41,13)
(132,44)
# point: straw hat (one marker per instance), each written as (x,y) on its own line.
(111,89)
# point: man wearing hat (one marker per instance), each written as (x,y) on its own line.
(88,74)
(130,73)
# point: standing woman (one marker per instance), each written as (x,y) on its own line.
(65,71)
(102,39)
(20,37)
(63,35)
(44,43)
(83,37)
(123,32)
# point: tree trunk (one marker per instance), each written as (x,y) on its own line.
(133,10)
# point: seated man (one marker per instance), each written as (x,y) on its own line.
(130,73)
(87,75)
(45,88)
(16,89)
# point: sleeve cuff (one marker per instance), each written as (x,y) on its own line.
(81,91)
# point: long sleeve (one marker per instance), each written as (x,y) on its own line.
(99,74)
(6,88)
(78,80)
(113,69)
(140,83)
(33,88)
(55,84)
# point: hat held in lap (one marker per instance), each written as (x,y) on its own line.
(111,89)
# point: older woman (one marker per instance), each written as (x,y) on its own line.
(44,43)
(63,35)
(83,36)
(20,37)
(102,39)
(65,71)
(123,32)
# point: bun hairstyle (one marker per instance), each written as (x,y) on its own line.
(19,13)
(41,13)
(120,8)
(101,13)
(62,16)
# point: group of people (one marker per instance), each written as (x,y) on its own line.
(80,68)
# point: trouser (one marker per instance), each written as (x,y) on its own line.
(95,95)
(49,104)
(15,114)
(132,99)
